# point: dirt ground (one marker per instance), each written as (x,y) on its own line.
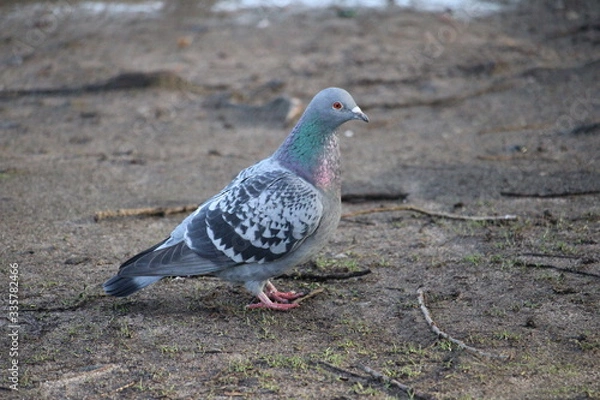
(488,116)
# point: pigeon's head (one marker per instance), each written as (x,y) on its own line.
(311,149)
(333,107)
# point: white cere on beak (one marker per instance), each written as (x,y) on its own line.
(359,114)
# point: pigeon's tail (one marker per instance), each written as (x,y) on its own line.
(121,286)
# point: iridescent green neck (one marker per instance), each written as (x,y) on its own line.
(311,150)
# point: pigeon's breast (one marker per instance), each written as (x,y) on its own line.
(326,173)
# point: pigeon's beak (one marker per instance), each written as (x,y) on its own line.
(358,114)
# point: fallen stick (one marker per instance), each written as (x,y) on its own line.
(126,81)
(374,375)
(561,269)
(120,389)
(372,196)
(342,371)
(550,195)
(308,296)
(431,213)
(444,335)
(164,211)
(412,393)
(325,277)
(544,255)
(144,212)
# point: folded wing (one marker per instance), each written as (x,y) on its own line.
(258,218)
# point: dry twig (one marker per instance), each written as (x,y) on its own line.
(144,212)
(393,382)
(374,375)
(120,389)
(163,211)
(298,276)
(308,296)
(550,195)
(444,335)
(431,213)
(372,196)
(554,267)
(342,371)
(124,81)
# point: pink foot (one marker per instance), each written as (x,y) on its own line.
(266,303)
(273,299)
(282,297)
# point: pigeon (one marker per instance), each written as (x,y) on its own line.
(273,216)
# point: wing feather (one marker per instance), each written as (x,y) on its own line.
(263,215)
(259,219)
(176,260)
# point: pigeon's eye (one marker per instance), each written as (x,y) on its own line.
(337,105)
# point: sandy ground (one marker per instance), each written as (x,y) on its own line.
(477,117)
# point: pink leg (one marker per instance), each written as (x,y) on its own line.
(266,303)
(273,299)
(282,297)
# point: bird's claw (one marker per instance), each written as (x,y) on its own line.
(273,299)
(272,306)
(282,297)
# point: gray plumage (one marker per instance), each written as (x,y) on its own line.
(274,215)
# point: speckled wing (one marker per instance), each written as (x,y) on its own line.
(264,214)
(258,218)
